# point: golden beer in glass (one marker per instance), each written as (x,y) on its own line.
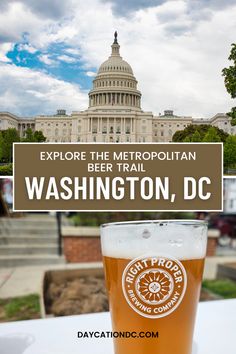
(153,273)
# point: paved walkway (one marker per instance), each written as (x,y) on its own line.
(21,281)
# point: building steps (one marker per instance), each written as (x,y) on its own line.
(29,240)
(16,249)
(28,260)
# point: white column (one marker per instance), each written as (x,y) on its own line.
(134,128)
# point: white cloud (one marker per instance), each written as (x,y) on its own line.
(91,73)
(18,19)
(27,47)
(177,50)
(44,58)
(72,51)
(177,66)
(66,59)
(4,49)
(27,92)
(44,8)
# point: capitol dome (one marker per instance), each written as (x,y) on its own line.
(115,83)
(115,64)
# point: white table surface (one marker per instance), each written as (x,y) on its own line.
(215,333)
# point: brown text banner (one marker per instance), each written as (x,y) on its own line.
(108,177)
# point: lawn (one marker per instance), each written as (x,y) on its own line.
(20,308)
(226,288)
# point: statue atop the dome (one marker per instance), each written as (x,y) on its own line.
(115,37)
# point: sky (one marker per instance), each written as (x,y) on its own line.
(50,52)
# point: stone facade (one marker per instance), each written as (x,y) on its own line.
(114,113)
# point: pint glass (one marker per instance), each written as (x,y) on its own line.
(153,273)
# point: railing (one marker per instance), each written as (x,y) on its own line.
(58,216)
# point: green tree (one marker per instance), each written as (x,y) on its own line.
(29,136)
(232,114)
(32,137)
(211,136)
(187,139)
(189,133)
(230,80)
(196,137)
(1,146)
(39,137)
(9,137)
(230,152)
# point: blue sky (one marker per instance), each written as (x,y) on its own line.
(50,52)
(68,67)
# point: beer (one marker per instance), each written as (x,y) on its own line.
(174,331)
(153,274)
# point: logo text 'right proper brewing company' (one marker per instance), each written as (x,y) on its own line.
(154,286)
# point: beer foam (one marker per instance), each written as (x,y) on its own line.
(182,239)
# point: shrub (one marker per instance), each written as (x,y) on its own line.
(6,170)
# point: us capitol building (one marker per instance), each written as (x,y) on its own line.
(114,113)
